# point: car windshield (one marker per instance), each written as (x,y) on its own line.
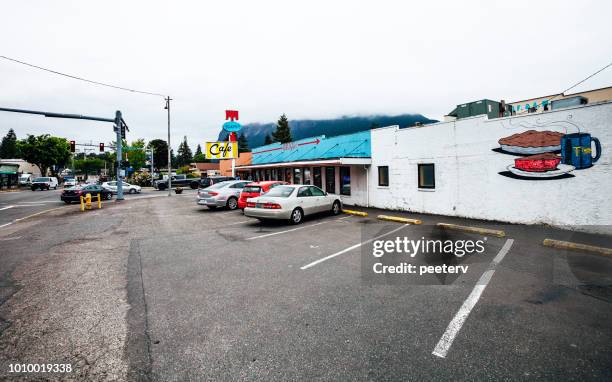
(281,191)
(41,180)
(216,186)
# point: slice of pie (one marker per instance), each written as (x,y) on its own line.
(538,163)
(532,142)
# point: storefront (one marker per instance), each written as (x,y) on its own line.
(338,165)
(9,176)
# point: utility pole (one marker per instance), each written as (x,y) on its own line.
(118,125)
(168,99)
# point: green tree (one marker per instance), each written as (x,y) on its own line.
(268,140)
(160,153)
(45,151)
(198,151)
(89,166)
(243,145)
(184,156)
(8,147)
(136,154)
(283,131)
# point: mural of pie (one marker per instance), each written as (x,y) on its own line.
(532,142)
(538,163)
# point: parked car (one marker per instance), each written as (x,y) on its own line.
(25,180)
(74,194)
(69,182)
(177,181)
(44,183)
(255,189)
(209,181)
(292,202)
(222,194)
(127,187)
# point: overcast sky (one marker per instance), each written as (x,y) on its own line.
(308,59)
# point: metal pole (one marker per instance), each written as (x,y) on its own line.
(119,156)
(168,99)
(152,167)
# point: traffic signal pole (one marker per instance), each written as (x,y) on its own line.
(168,99)
(118,122)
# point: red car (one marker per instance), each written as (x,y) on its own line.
(255,189)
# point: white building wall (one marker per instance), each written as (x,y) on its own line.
(468,182)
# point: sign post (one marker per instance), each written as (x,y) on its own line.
(232,128)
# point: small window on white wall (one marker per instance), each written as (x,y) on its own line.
(427,175)
(383,176)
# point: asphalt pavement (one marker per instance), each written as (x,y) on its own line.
(196,294)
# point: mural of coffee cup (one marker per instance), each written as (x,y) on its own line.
(576,150)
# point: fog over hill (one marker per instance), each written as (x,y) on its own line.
(303,128)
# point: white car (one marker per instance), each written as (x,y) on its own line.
(127,188)
(44,183)
(292,202)
(69,182)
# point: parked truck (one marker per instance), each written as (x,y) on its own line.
(177,181)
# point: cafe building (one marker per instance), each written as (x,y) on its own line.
(338,165)
(551,167)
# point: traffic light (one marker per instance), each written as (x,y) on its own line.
(122,131)
(101,147)
(72,146)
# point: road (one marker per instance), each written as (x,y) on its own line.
(160,289)
(21,204)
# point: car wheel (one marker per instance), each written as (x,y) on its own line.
(33,188)
(336,208)
(48,188)
(232,203)
(132,191)
(67,201)
(296,216)
(194,185)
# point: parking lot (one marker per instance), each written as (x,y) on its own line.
(214,295)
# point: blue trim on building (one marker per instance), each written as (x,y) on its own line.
(356,145)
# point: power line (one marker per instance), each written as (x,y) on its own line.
(592,75)
(545,102)
(80,78)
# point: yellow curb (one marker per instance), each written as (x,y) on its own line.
(483,231)
(358,213)
(398,219)
(577,246)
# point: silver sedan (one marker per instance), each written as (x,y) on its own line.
(292,202)
(222,194)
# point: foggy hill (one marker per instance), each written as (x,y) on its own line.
(303,128)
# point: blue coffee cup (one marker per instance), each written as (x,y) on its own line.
(576,150)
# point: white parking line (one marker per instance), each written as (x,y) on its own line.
(351,248)
(455,325)
(6,208)
(293,229)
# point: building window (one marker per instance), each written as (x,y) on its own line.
(297,176)
(316,177)
(383,176)
(427,176)
(288,177)
(330,180)
(281,174)
(345,181)
(307,178)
